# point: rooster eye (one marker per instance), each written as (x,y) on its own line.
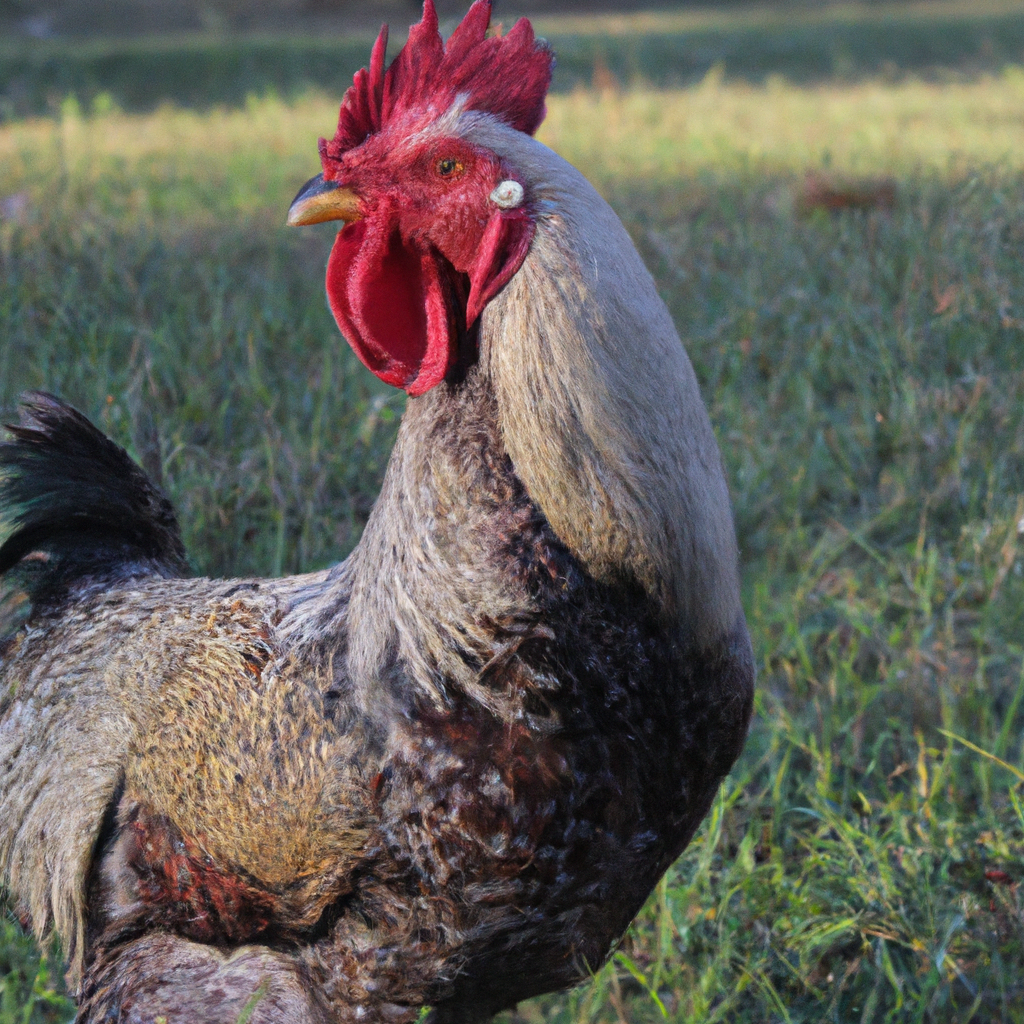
(448,167)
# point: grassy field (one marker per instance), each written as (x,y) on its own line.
(862,368)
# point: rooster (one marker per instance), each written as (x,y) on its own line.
(447,772)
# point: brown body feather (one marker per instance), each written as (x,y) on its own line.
(447,772)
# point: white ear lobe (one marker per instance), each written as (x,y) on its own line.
(507,194)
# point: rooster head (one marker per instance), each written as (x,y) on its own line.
(435,225)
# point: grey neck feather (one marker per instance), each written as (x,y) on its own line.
(600,409)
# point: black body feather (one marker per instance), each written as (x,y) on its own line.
(76,505)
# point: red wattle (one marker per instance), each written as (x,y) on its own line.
(388,299)
(501,253)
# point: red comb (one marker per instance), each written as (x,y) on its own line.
(504,76)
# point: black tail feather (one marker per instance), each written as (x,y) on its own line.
(75,505)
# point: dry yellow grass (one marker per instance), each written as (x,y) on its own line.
(250,161)
(869,127)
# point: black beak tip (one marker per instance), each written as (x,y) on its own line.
(316,186)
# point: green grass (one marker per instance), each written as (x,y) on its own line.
(863,373)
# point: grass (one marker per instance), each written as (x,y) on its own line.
(864,860)
(803,42)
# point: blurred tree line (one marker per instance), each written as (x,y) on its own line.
(46,18)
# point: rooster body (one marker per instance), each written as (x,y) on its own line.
(448,771)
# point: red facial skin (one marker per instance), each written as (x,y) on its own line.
(430,252)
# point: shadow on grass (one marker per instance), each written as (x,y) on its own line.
(214,359)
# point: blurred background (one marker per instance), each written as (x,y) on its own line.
(133,17)
(141,52)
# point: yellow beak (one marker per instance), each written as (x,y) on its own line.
(320,201)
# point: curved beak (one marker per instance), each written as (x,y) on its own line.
(320,201)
